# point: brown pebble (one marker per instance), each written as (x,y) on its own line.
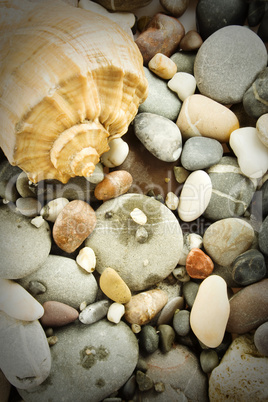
(58,314)
(198,264)
(73,225)
(175,7)
(191,41)
(114,184)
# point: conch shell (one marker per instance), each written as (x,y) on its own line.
(70,81)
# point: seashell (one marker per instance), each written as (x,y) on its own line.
(71,81)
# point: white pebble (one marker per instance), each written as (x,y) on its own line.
(117,153)
(172,201)
(86,259)
(181,274)
(38,221)
(184,84)
(83,305)
(52,209)
(190,240)
(162,66)
(97,176)
(138,216)
(115,312)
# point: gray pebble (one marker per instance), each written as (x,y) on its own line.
(261,339)
(23,186)
(189,291)
(208,360)
(181,322)
(169,309)
(256,97)
(144,381)
(28,206)
(36,288)
(201,153)
(184,61)
(166,337)
(94,312)
(141,234)
(148,339)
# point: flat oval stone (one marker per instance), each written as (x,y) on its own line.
(113,185)
(249,267)
(159,135)
(73,225)
(114,241)
(225,239)
(255,98)
(263,237)
(114,287)
(25,354)
(210,311)
(261,339)
(248,308)
(195,196)
(198,264)
(23,247)
(201,153)
(58,314)
(227,79)
(202,116)
(175,7)
(262,129)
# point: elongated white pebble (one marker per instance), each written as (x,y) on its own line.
(86,259)
(184,84)
(195,196)
(138,216)
(17,302)
(117,153)
(52,209)
(210,311)
(115,312)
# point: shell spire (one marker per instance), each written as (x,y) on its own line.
(70,81)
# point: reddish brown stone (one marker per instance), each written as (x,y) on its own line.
(73,225)
(58,314)
(162,35)
(114,184)
(198,264)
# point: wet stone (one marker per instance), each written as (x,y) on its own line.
(249,267)
(181,322)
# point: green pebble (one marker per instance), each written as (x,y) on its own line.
(208,360)
(166,337)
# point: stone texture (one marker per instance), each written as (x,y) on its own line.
(114,287)
(262,129)
(201,153)
(227,78)
(191,41)
(261,339)
(94,312)
(256,97)
(256,11)
(184,61)
(249,267)
(58,314)
(175,7)
(181,322)
(148,339)
(198,264)
(263,236)
(208,360)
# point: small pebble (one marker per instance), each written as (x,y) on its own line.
(86,259)
(52,209)
(181,322)
(184,61)
(198,264)
(166,337)
(261,338)
(190,241)
(138,216)
(191,41)
(172,201)
(115,312)
(184,84)
(52,340)
(136,328)
(159,386)
(98,175)
(83,305)
(58,314)
(190,290)
(144,381)
(29,206)
(180,173)
(148,339)
(94,312)
(181,274)
(113,185)
(49,332)
(141,235)
(38,221)
(167,313)
(117,153)
(36,288)
(162,66)
(262,129)
(249,267)
(114,287)
(209,360)
(175,7)
(201,153)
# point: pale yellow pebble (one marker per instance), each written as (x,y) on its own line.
(172,201)
(162,66)
(115,312)
(86,259)
(114,287)
(38,221)
(138,216)
(184,84)
(136,328)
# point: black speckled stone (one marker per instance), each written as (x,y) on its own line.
(256,97)
(249,267)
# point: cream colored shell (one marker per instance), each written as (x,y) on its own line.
(70,81)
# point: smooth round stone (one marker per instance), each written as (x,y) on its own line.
(166,337)
(263,237)
(148,339)
(114,287)
(167,312)
(208,360)
(113,185)
(202,116)
(183,84)
(256,11)
(162,66)
(227,78)
(248,308)
(117,153)
(159,135)
(115,312)
(190,290)
(198,264)
(249,267)
(232,191)
(184,61)
(181,322)
(58,314)
(195,196)
(210,311)
(242,373)
(226,239)
(23,247)
(25,354)
(160,100)
(28,206)
(211,16)
(201,153)
(191,41)
(114,242)
(64,281)
(262,129)
(175,7)
(261,339)
(252,154)
(94,312)
(102,357)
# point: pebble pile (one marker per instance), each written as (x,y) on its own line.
(148,280)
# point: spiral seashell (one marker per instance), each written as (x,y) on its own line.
(70,81)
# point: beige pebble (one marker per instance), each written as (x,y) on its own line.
(138,216)
(117,153)
(191,41)
(210,311)
(114,184)
(184,84)
(86,259)
(202,116)
(172,201)
(114,287)
(115,312)
(262,129)
(162,66)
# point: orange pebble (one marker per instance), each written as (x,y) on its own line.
(198,264)
(114,184)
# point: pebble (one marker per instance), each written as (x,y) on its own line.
(126,5)
(58,314)
(201,153)
(86,259)
(8,178)
(160,100)
(249,267)
(51,210)
(115,312)
(252,154)
(263,237)
(190,240)
(28,206)
(180,174)
(17,302)
(248,308)
(94,312)
(255,98)
(181,322)
(184,84)
(242,373)
(103,357)
(141,235)
(166,337)
(175,7)
(162,35)
(210,311)
(159,135)
(232,191)
(256,11)
(138,216)
(202,116)
(148,339)
(117,153)
(63,281)
(210,17)
(38,221)
(195,196)
(144,381)
(261,339)
(184,61)
(141,264)
(167,312)
(73,225)
(262,129)
(191,41)
(181,274)
(226,239)
(114,287)
(172,201)
(25,354)
(98,174)
(143,307)
(198,264)
(113,185)
(227,78)
(23,187)
(23,247)
(209,360)
(190,290)
(162,66)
